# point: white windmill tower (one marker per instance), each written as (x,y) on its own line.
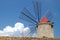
(45,29)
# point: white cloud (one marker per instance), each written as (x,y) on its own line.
(17,30)
(8,29)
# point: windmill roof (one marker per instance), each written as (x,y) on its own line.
(44,19)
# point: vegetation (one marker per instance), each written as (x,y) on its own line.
(27,38)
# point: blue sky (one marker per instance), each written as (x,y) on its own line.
(10,10)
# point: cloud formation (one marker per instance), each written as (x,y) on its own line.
(17,30)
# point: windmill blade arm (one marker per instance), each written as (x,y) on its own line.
(49,15)
(29,17)
(26,11)
(34,5)
(37,9)
(26,20)
(32,30)
(23,17)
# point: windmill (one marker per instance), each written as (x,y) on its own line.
(36,20)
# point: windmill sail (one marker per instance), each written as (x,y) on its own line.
(28,13)
(25,15)
(49,15)
(37,9)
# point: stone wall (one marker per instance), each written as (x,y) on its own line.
(45,30)
(27,38)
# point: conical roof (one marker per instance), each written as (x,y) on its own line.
(44,19)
